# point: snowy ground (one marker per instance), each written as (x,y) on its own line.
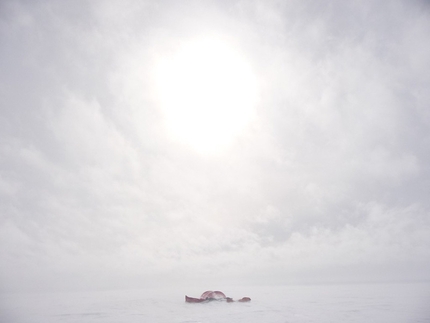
(310,303)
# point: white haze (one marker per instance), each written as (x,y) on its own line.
(328,182)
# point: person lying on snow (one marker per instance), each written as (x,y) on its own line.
(214,296)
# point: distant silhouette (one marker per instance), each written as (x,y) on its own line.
(214,296)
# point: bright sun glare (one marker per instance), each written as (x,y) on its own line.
(207,93)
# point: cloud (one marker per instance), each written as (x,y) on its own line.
(329,182)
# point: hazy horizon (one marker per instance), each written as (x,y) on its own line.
(208,143)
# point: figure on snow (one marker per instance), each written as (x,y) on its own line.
(214,296)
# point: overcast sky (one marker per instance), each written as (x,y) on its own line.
(213,142)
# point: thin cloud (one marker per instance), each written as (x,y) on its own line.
(327,183)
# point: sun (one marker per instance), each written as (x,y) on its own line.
(207,92)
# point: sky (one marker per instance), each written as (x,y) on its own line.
(207,143)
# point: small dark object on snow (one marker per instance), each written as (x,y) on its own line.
(214,296)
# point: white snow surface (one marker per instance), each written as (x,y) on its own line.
(394,303)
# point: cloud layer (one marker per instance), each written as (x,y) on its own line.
(329,182)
